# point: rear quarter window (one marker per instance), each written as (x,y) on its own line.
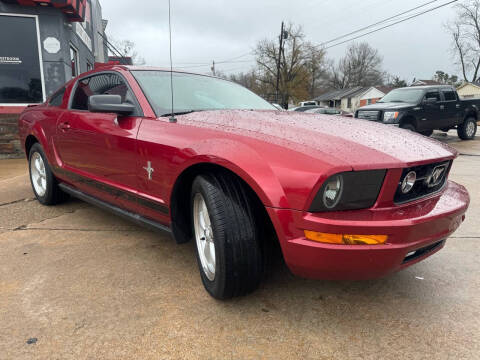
(449,95)
(57,98)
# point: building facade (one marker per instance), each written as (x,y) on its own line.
(469,91)
(43,44)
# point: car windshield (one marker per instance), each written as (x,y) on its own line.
(195,93)
(403,95)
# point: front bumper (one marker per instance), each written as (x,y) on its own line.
(415,231)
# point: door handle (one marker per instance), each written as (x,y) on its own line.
(458,106)
(442,107)
(64,126)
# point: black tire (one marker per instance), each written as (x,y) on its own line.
(468,129)
(53,195)
(236,236)
(427,133)
(408,127)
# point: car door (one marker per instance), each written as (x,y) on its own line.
(98,150)
(433,113)
(452,110)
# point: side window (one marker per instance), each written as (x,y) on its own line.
(433,94)
(449,96)
(110,84)
(57,98)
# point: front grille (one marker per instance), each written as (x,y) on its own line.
(425,184)
(369,115)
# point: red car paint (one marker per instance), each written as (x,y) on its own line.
(283,156)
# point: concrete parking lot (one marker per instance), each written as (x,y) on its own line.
(79,283)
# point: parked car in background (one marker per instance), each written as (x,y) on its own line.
(308,103)
(330,111)
(424,109)
(305,108)
(278,107)
(342,199)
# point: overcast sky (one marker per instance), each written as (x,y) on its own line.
(206,30)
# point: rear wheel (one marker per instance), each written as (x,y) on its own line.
(468,129)
(226,236)
(44,184)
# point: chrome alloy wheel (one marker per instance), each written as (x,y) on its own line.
(38,174)
(204,236)
(470,130)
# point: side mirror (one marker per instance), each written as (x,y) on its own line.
(431,101)
(109,104)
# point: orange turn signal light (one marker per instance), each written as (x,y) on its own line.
(346,239)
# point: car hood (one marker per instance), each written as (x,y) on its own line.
(360,144)
(387,106)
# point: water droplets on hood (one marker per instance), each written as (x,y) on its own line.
(348,139)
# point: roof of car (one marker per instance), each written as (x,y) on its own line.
(107,66)
(426,87)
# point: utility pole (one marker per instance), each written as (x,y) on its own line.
(213,68)
(280,51)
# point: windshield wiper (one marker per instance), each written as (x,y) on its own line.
(179,113)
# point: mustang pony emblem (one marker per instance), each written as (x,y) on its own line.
(149,170)
(436,177)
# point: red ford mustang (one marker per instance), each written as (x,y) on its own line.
(344,198)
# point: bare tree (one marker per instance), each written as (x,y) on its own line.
(316,66)
(126,48)
(361,66)
(465,32)
(294,73)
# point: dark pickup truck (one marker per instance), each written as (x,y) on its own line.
(424,109)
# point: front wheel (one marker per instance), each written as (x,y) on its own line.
(427,133)
(468,129)
(227,238)
(409,127)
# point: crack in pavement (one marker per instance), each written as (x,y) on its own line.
(464,237)
(23,228)
(461,154)
(17,201)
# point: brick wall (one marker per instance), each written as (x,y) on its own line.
(9,141)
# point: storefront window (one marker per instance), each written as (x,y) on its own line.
(74,61)
(20,72)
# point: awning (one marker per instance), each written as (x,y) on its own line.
(73,9)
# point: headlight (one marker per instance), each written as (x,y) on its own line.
(332,191)
(348,191)
(390,117)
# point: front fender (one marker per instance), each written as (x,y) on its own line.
(245,162)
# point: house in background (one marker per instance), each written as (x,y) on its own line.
(373,94)
(469,91)
(351,99)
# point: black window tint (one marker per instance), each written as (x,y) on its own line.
(80,98)
(110,84)
(57,98)
(449,95)
(433,94)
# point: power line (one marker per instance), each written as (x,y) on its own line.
(377,23)
(390,25)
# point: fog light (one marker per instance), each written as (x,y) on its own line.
(346,239)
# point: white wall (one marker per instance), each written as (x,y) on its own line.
(372,93)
